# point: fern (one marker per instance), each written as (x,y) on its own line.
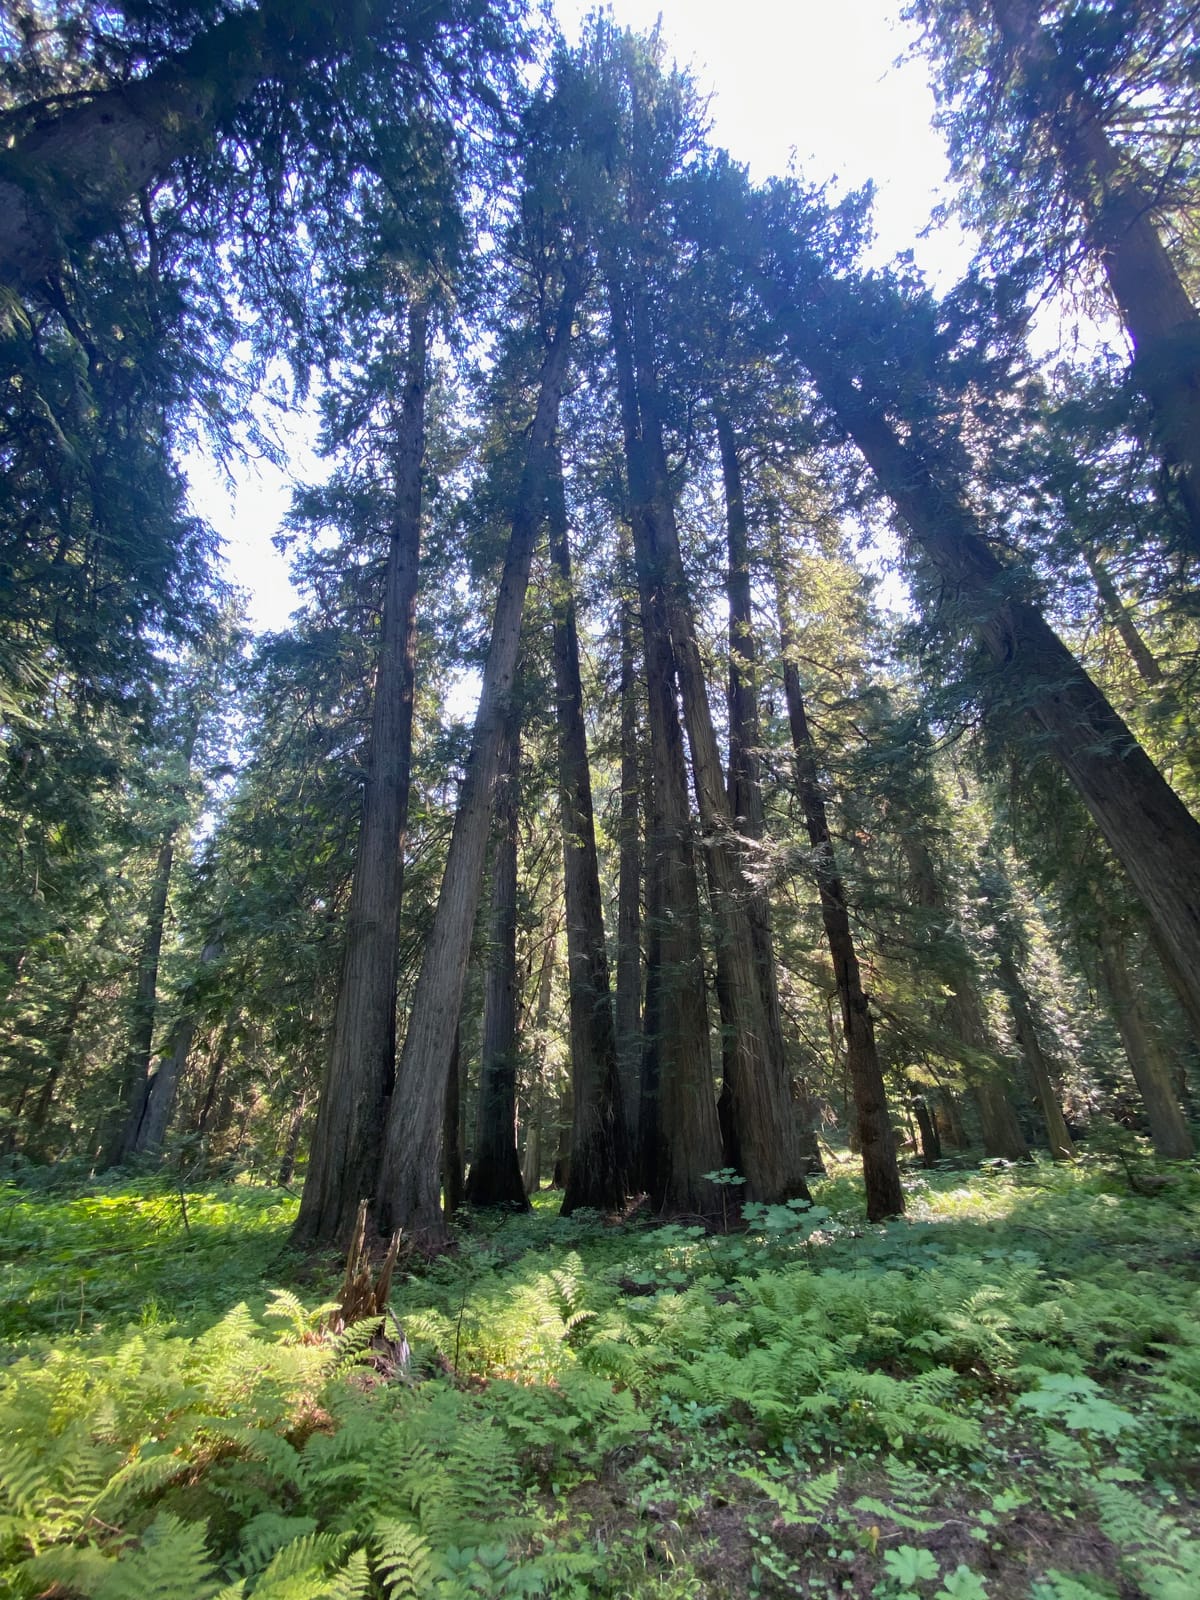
(265,1535)
(802,1504)
(169,1562)
(1163,1554)
(402,1559)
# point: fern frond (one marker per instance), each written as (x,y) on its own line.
(403,1560)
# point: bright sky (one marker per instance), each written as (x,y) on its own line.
(809,81)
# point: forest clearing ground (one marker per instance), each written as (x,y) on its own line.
(996,1398)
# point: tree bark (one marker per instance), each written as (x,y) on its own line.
(494,1178)
(1118,211)
(135,1066)
(1169,1133)
(453,1181)
(1001,1131)
(931,1144)
(407,1193)
(1021,1008)
(531,1163)
(291,1145)
(68,179)
(1122,618)
(347,1140)
(762,1115)
(872,1121)
(629,887)
(1147,826)
(679,1138)
(599,1175)
(745,765)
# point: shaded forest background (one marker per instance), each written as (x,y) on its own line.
(734,866)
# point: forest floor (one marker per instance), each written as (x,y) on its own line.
(997,1397)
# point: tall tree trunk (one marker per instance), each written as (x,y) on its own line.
(998,1123)
(494,1178)
(1147,826)
(531,1163)
(407,1192)
(931,1144)
(561,1174)
(999,1126)
(762,1115)
(629,887)
(679,1138)
(453,1181)
(135,1066)
(1021,1008)
(872,1121)
(1122,618)
(599,1175)
(1169,1133)
(347,1140)
(1118,210)
(216,1073)
(291,1145)
(146,1129)
(745,737)
(69,179)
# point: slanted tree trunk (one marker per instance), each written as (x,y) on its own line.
(343,1164)
(1119,216)
(679,1137)
(1121,617)
(146,1130)
(1147,826)
(629,890)
(407,1193)
(872,1121)
(1021,1008)
(69,178)
(599,1175)
(1169,1133)
(762,1118)
(494,1178)
(216,1074)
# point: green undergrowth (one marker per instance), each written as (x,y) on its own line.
(997,1397)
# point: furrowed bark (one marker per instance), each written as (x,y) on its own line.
(407,1194)
(347,1140)
(629,880)
(763,1119)
(1169,1133)
(1147,826)
(881,1171)
(494,1178)
(68,180)
(745,777)
(599,1169)
(678,1134)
